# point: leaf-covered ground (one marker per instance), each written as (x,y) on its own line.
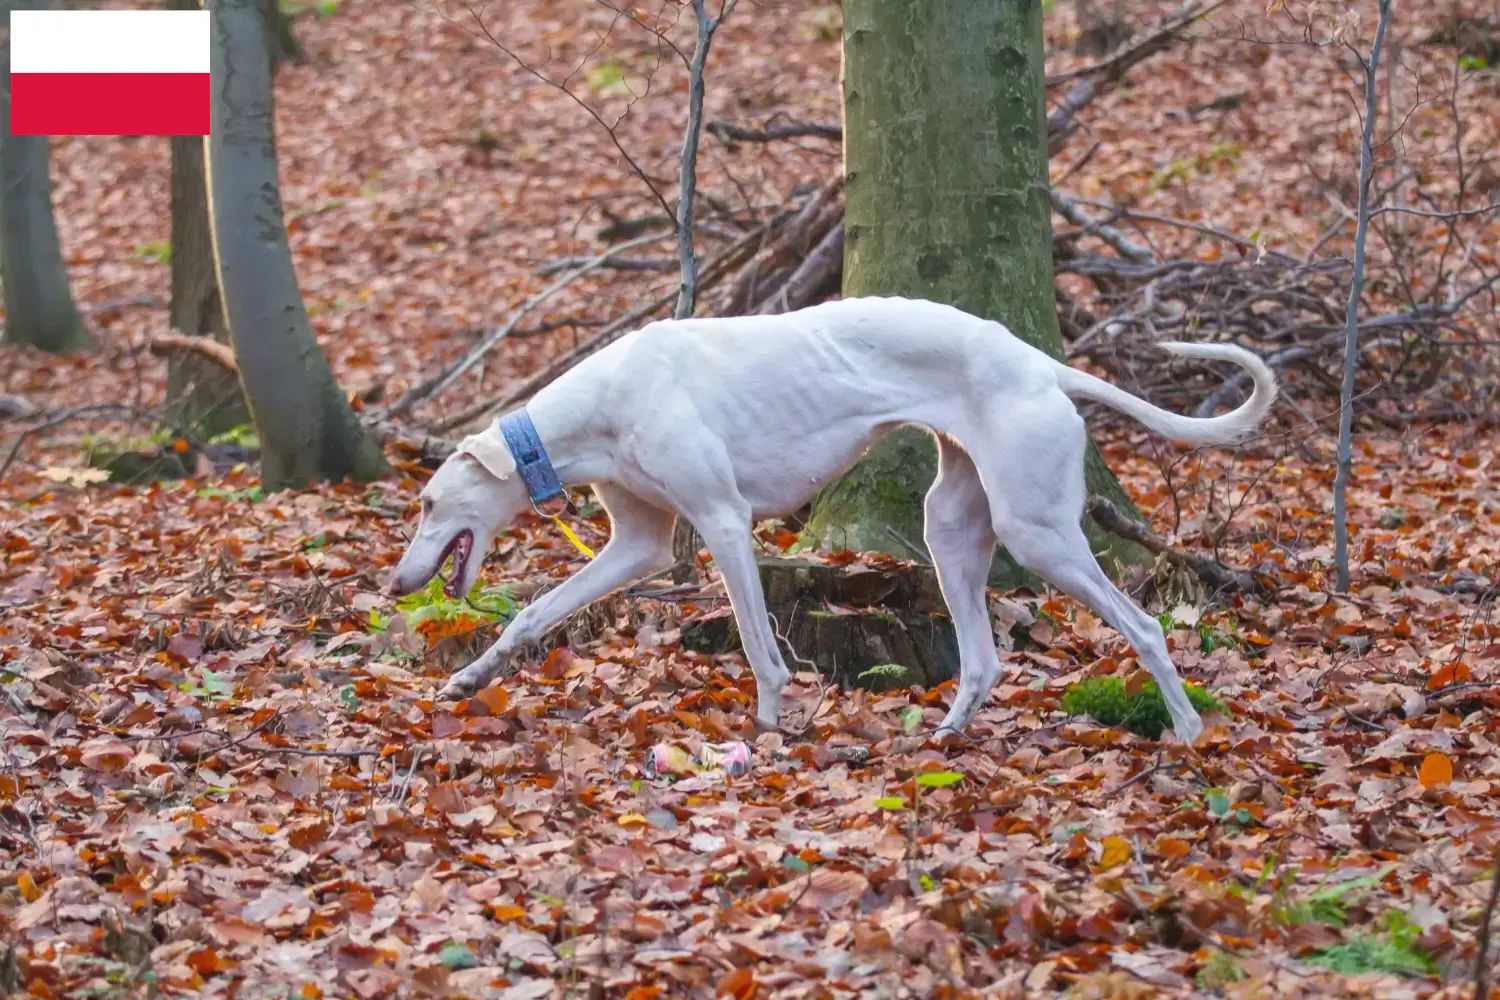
(222,771)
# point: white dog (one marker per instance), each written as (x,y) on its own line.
(728,421)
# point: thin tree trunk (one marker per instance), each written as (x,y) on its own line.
(945,163)
(307,429)
(39,309)
(204,397)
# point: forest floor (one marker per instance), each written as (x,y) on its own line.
(222,771)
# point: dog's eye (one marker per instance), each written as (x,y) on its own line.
(426,506)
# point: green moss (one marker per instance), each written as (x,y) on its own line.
(1103,699)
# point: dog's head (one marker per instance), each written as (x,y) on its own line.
(470,497)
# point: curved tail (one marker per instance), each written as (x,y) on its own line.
(1228,428)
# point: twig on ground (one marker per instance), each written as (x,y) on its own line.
(618,264)
(105,308)
(13,407)
(1208,569)
(728,132)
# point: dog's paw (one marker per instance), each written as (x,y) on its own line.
(457,688)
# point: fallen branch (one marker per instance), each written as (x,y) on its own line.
(820,268)
(165,345)
(109,306)
(618,264)
(12,407)
(728,132)
(1209,570)
(430,449)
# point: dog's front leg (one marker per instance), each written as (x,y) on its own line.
(727,535)
(640,544)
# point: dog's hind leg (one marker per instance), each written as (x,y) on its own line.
(640,544)
(962,543)
(1036,485)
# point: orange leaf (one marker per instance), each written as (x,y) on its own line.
(28,888)
(507,911)
(1136,682)
(1437,769)
(207,961)
(739,984)
(495,698)
(1117,851)
(1450,673)
(644,993)
(1173,847)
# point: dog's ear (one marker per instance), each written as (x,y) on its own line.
(490,451)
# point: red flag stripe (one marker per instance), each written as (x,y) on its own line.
(109,103)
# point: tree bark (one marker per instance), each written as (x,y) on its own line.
(946,195)
(39,309)
(307,429)
(204,397)
(281,42)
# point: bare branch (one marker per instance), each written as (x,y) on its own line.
(687,294)
(1356,287)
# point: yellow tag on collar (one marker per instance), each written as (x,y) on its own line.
(568,533)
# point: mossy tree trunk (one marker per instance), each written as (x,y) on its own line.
(307,429)
(946,189)
(39,309)
(204,397)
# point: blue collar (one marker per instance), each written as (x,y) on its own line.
(531,459)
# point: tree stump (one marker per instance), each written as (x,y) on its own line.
(878,629)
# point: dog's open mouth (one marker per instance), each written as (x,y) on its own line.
(461,548)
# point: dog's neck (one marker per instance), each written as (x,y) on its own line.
(580,452)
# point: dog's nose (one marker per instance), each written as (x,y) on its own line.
(393,588)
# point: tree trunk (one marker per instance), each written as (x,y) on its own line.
(281,43)
(945,162)
(306,427)
(39,308)
(204,397)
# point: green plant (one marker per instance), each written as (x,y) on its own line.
(431,609)
(209,686)
(1394,952)
(1104,700)
(243,435)
(1328,904)
(249,494)
(1220,970)
(159,252)
(1473,62)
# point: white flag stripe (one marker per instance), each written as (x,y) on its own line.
(109,41)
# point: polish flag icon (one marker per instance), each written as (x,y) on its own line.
(109,72)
